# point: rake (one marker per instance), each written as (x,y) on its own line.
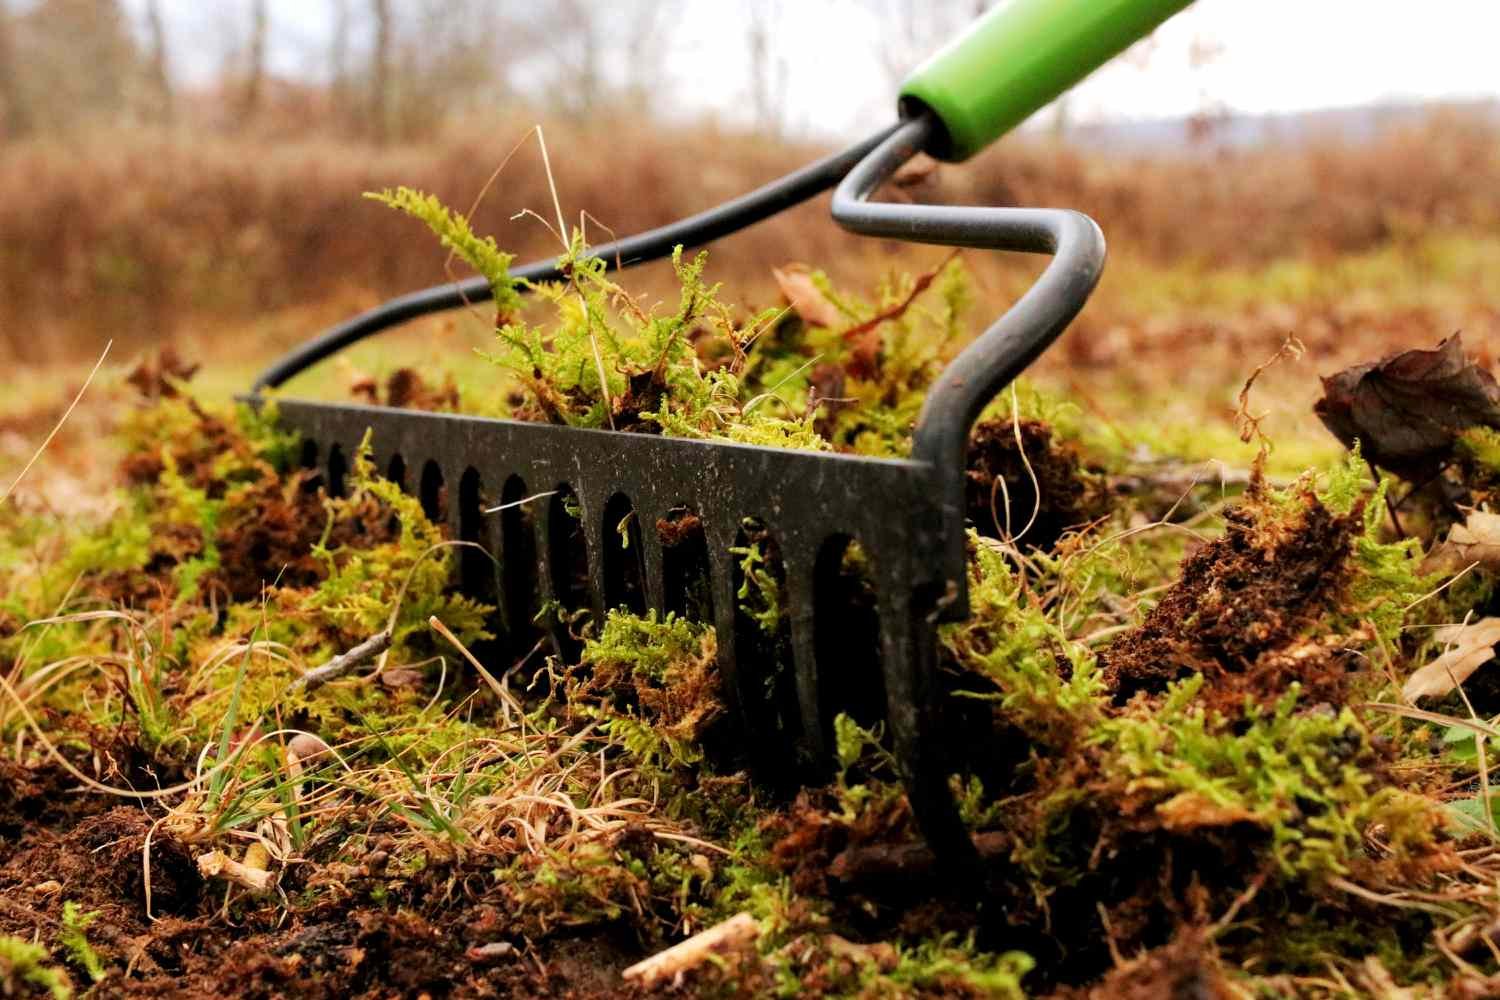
(708,498)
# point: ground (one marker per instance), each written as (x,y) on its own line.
(1191,769)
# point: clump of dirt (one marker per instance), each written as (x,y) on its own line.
(1001,494)
(811,836)
(405,388)
(1242,609)
(1186,968)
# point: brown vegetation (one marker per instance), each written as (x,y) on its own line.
(145,234)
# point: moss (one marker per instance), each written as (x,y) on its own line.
(1303,778)
(454,233)
(1044,684)
(74,939)
(654,684)
(1477,450)
(409,574)
(23,965)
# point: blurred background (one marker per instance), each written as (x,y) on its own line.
(189,171)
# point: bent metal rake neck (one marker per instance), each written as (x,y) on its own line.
(906,514)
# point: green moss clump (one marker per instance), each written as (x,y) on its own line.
(1304,778)
(23,965)
(407,573)
(1044,684)
(654,685)
(74,939)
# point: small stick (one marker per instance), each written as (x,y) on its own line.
(345,662)
(217,864)
(733,934)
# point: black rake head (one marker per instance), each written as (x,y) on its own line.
(545,506)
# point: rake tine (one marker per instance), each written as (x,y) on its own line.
(593,505)
(909,654)
(653,570)
(801,587)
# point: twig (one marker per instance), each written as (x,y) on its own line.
(895,312)
(733,934)
(217,864)
(344,662)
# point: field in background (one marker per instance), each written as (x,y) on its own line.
(234,251)
(147,236)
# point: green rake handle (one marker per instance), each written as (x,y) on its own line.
(1016,59)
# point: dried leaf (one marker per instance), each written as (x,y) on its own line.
(1406,410)
(1473,645)
(1188,811)
(1477,540)
(158,378)
(805,297)
(915,171)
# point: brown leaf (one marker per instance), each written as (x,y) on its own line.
(1407,409)
(914,171)
(1477,540)
(1472,646)
(157,378)
(1188,811)
(805,297)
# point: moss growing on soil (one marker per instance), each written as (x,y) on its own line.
(1171,762)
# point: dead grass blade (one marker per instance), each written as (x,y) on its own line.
(56,427)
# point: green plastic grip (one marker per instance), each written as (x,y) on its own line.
(1017,58)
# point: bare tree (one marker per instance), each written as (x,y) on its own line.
(159,76)
(69,61)
(912,30)
(380,71)
(768,71)
(338,55)
(646,34)
(14,112)
(253,94)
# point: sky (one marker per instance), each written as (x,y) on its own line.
(1273,55)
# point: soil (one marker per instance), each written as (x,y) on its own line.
(999,452)
(59,846)
(1240,609)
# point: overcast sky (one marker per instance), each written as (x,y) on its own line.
(1276,55)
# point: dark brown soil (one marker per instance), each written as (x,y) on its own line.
(1184,969)
(57,846)
(1068,498)
(1242,609)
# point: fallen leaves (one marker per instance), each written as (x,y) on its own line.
(406,389)
(805,297)
(162,376)
(1477,540)
(1407,409)
(1472,645)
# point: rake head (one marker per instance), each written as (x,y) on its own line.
(594,520)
